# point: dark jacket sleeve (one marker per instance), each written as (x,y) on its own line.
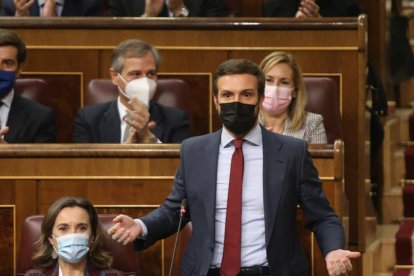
(206,8)
(181,129)
(7,8)
(47,129)
(320,217)
(82,132)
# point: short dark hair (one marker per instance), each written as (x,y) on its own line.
(239,66)
(133,48)
(9,38)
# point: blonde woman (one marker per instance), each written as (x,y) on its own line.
(283,109)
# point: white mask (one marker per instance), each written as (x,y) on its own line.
(143,89)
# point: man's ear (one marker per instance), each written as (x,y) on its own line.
(19,69)
(216,103)
(114,76)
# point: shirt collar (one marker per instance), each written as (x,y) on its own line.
(254,137)
(7,100)
(121,109)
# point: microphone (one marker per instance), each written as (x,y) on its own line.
(182,213)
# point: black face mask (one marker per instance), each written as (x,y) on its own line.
(238,117)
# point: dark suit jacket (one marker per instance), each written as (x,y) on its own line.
(290,178)
(71,8)
(197,8)
(328,8)
(30,122)
(101,124)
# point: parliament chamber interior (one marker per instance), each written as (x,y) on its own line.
(67,68)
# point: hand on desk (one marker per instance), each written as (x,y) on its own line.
(338,262)
(138,119)
(308,8)
(3,132)
(125,229)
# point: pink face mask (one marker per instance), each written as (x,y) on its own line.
(277,99)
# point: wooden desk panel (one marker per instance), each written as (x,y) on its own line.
(131,179)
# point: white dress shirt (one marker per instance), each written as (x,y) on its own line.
(5,109)
(122,114)
(253,244)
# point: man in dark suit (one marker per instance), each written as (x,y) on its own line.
(51,8)
(21,120)
(170,8)
(132,117)
(278,174)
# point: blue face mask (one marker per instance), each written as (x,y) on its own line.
(7,79)
(72,248)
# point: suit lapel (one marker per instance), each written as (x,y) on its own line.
(16,118)
(209,154)
(110,126)
(274,170)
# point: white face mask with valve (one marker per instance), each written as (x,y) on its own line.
(143,89)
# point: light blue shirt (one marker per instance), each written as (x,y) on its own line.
(253,244)
(59,6)
(5,109)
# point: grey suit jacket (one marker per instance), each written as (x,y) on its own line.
(289,178)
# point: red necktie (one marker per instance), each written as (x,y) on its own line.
(231,263)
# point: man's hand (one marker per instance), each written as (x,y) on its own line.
(175,6)
(143,137)
(3,132)
(125,229)
(153,8)
(49,9)
(138,119)
(308,8)
(338,262)
(22,7)
(138,114)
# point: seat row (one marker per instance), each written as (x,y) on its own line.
(322,99)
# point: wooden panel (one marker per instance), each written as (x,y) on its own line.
(7,239)
(64,96)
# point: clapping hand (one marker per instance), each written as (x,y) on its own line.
(22,7)
(308,8)
(3,131)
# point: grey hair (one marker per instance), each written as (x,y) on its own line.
(133,48)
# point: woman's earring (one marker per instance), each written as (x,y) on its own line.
(54,255)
